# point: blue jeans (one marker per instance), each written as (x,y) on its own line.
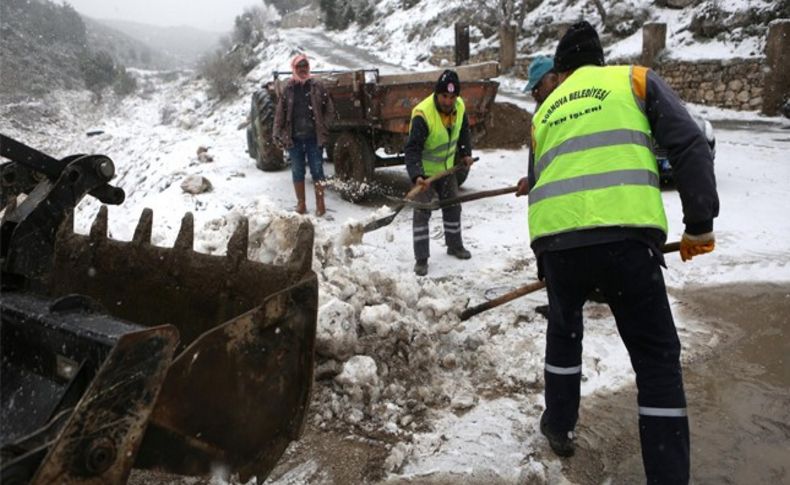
(306,152)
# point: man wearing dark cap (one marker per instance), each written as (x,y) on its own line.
(438,135)
(596,220)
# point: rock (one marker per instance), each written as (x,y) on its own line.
(735,85)
(196,184)
(743,96)
(463,400)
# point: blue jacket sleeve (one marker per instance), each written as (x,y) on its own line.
(689,154)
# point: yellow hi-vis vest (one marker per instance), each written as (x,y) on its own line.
(438,153)
(594,166)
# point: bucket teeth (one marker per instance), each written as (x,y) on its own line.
(186,234)
(9,208)
(99,227)
(239,241)
(142,233)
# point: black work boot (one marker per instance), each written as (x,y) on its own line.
(561,443)
(459,252)
(421,267)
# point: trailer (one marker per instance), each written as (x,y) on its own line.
(373,112)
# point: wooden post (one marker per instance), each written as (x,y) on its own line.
(507,46)
(654,39)
(777,79)
(461,44)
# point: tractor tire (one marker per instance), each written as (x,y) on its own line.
(354,160)
(252,148)
(268,157)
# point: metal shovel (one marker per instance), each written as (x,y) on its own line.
(531,288)
(387,220)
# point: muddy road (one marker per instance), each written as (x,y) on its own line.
(738,397)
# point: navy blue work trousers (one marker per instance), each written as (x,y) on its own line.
(630,277)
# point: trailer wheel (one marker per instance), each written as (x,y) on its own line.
(353,158)
(267,155)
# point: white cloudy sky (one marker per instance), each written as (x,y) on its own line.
(215,15)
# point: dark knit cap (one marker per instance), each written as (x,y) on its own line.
(448,83)
(580,46)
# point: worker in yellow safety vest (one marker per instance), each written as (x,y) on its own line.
(439,138)
(596,220)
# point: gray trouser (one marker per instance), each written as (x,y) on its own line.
(445,188)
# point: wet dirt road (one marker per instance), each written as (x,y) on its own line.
(738,394)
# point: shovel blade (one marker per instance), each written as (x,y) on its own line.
(383,221)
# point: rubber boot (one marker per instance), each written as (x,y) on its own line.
(320,208)
(301,206)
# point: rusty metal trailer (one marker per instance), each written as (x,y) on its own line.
(373,115)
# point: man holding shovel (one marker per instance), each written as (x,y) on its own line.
(439,132)
(596,219)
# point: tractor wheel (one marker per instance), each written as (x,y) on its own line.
(267,155)
(353,158)
(330,148)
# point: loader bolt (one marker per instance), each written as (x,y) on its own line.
(106,169)
(100,456)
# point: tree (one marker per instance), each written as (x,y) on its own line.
(508,16)
(98,71)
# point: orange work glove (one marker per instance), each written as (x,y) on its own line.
(695,244)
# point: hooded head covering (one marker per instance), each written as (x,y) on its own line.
(296,60)
(580,46)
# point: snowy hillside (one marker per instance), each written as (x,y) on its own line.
(408,35)
(432,399)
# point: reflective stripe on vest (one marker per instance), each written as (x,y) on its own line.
(594,161)
(438,153)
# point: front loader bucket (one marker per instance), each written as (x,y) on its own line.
(238,390)
(117,354)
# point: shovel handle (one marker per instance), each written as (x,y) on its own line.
(524,290)
(433,178)
(476,196)
(530,288)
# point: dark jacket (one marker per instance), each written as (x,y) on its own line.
(692,168)
(417,136)
(323,113)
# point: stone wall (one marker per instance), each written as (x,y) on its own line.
(734,84)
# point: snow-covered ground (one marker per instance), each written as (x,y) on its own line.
(459,399)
